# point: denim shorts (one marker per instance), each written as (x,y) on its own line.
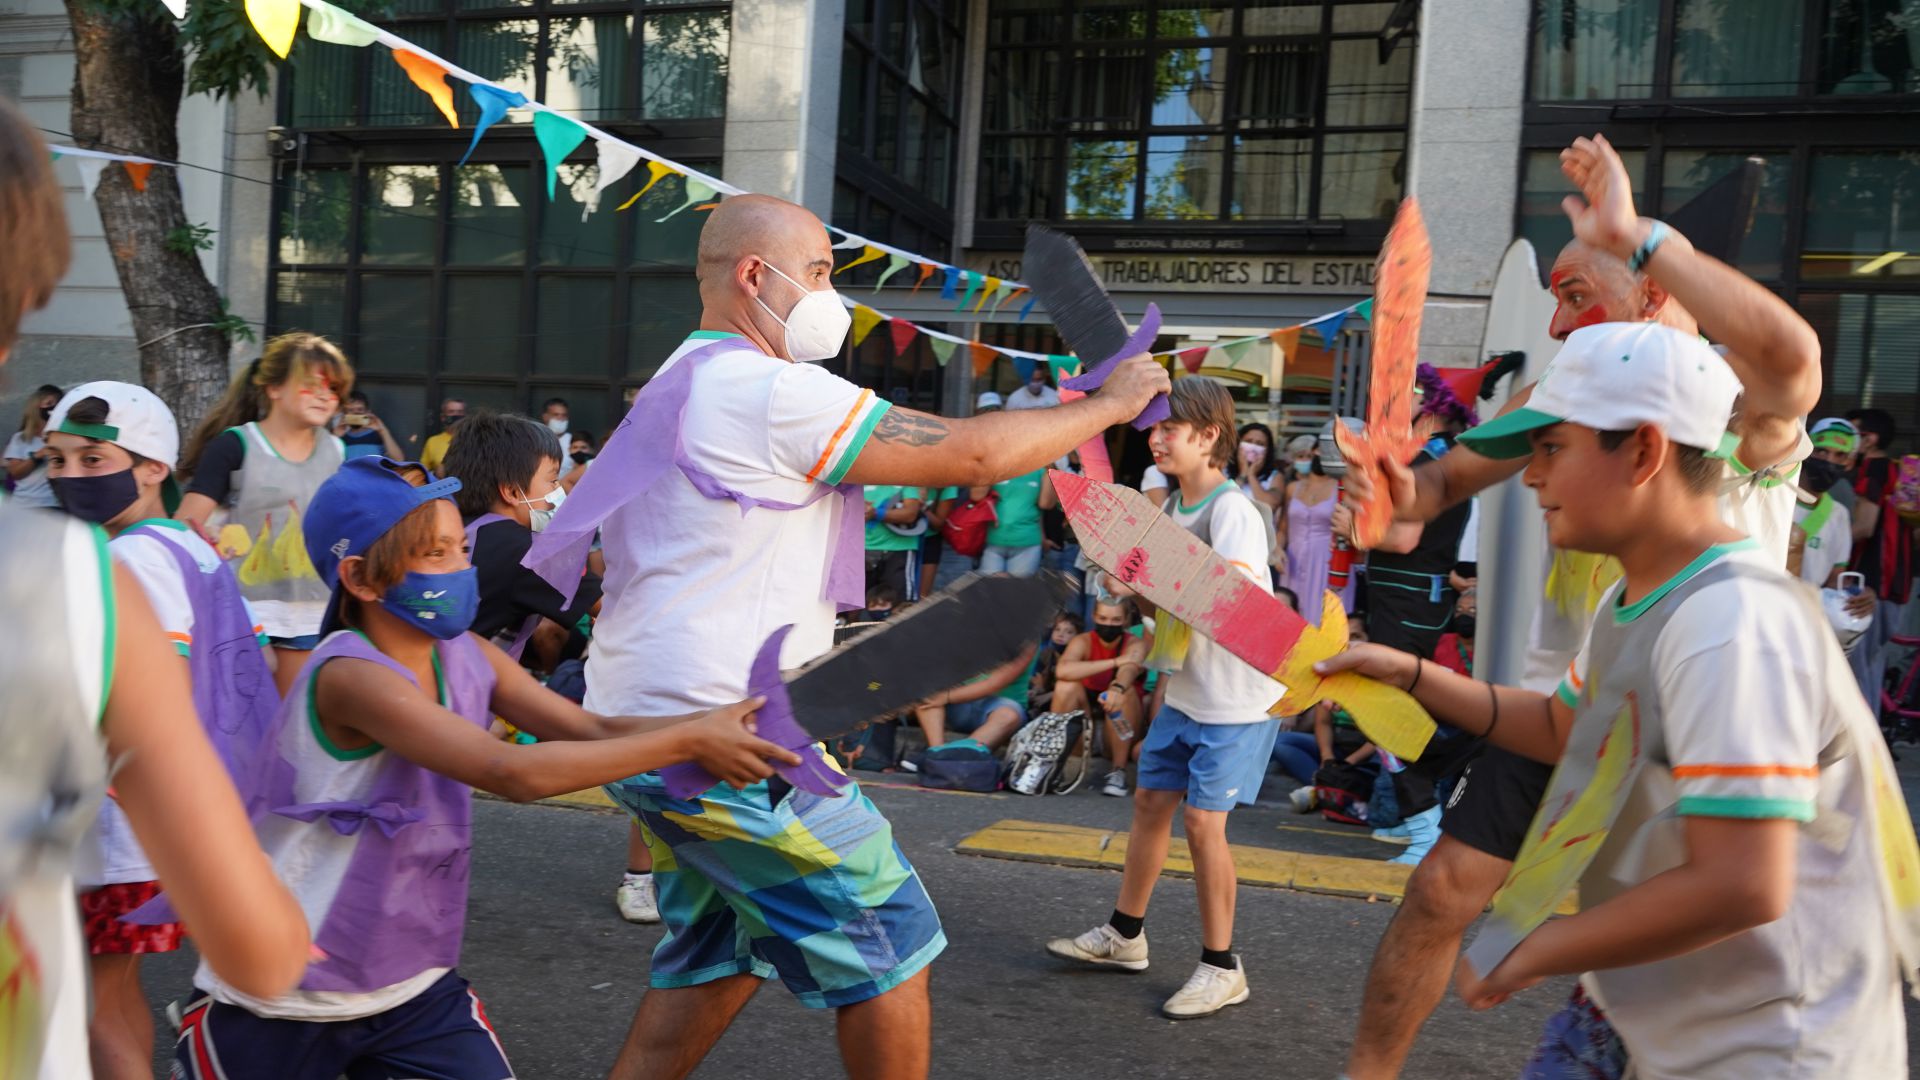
(968,716)
(1219,766)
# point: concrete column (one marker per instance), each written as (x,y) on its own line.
(1464,159)
(783,99)
(247,224)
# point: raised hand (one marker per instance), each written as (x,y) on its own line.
(1134,382)
(1605,218)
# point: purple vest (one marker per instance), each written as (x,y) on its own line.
(402,907)
(636,456)
(233,690)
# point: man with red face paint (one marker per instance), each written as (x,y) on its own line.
(1619,268)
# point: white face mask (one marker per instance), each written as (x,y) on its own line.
(557,425)
(537,518)
(816,326)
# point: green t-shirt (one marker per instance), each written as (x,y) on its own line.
(1019,510)
(879,537)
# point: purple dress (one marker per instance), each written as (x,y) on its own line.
(1309,547)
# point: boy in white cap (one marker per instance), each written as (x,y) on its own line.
(1722,795)
(112,450)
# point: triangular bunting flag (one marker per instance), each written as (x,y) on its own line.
(983,358)
(276,21)
(558,137)
(895,264)
(1063,367)
(1026,309)
(903,333)
(89,173)
(872,253)
(493,101)
(1006,293)
(1364,309)
(1236,352)
(1193,358)
(864,320)
(178,7)
(332,25)
(655,170)
(950,283)
(850,243)
(137,172)
(1288,341)
(617,159)
(1023,366)
(926,271)
(431,78)
(1328,326)
(973,285)
(942,348)
(992,289)
(698,191)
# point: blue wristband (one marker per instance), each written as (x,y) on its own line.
(1655,237)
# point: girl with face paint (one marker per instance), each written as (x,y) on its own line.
(261,453)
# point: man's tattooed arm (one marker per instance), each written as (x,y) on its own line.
(908,428)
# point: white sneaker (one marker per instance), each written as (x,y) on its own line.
(1208,990)
(1304,799)
(635,900)
(1116,784)
(1104,946)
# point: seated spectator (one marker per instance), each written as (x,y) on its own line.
(362,433)
(976,708)
(1101,672)
(1455,651)
(1066,626)
(881,600)
(509,469)
(582,447)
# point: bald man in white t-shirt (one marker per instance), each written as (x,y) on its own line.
(694,585)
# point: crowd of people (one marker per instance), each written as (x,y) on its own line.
(369,639)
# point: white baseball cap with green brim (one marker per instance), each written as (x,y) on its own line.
(137,420)
(1617,376)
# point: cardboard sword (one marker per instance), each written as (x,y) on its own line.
(1122,532)
(939,643)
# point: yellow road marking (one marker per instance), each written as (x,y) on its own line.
(1073,845)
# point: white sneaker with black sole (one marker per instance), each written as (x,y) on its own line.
(1209,989)
(1104,947)
(1116,784)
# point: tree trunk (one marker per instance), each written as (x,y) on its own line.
(129,73)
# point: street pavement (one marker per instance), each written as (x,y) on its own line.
(561,974)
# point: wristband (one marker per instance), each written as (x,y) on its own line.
(1656,236)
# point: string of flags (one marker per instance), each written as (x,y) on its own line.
(559,136)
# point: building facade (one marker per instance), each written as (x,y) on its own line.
(1235,161)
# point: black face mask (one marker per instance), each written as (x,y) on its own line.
(581,457)
(98,499)
(1819,474)
(1464,625)
(46,413)
(1108,634)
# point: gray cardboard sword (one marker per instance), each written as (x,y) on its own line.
(1061,277)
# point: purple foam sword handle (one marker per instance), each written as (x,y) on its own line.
(1141,341)
(776,725)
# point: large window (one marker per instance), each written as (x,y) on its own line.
(445,279)
(1585,50)
(899,121)
(1825,91)
(1192,111)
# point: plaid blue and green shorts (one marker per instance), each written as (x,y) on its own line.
(814,889)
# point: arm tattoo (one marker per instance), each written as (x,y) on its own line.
(910,428)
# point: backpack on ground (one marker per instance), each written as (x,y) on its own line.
(1341,791)
(965,530)
(1903,490)
(1038,757)
(962,765)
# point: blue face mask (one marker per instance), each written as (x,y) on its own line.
(442,605)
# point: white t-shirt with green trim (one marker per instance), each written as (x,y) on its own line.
(1829,539)
(693,586)
(1753,730)
(1213,686)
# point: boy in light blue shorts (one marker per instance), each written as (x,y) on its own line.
(1209,745)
